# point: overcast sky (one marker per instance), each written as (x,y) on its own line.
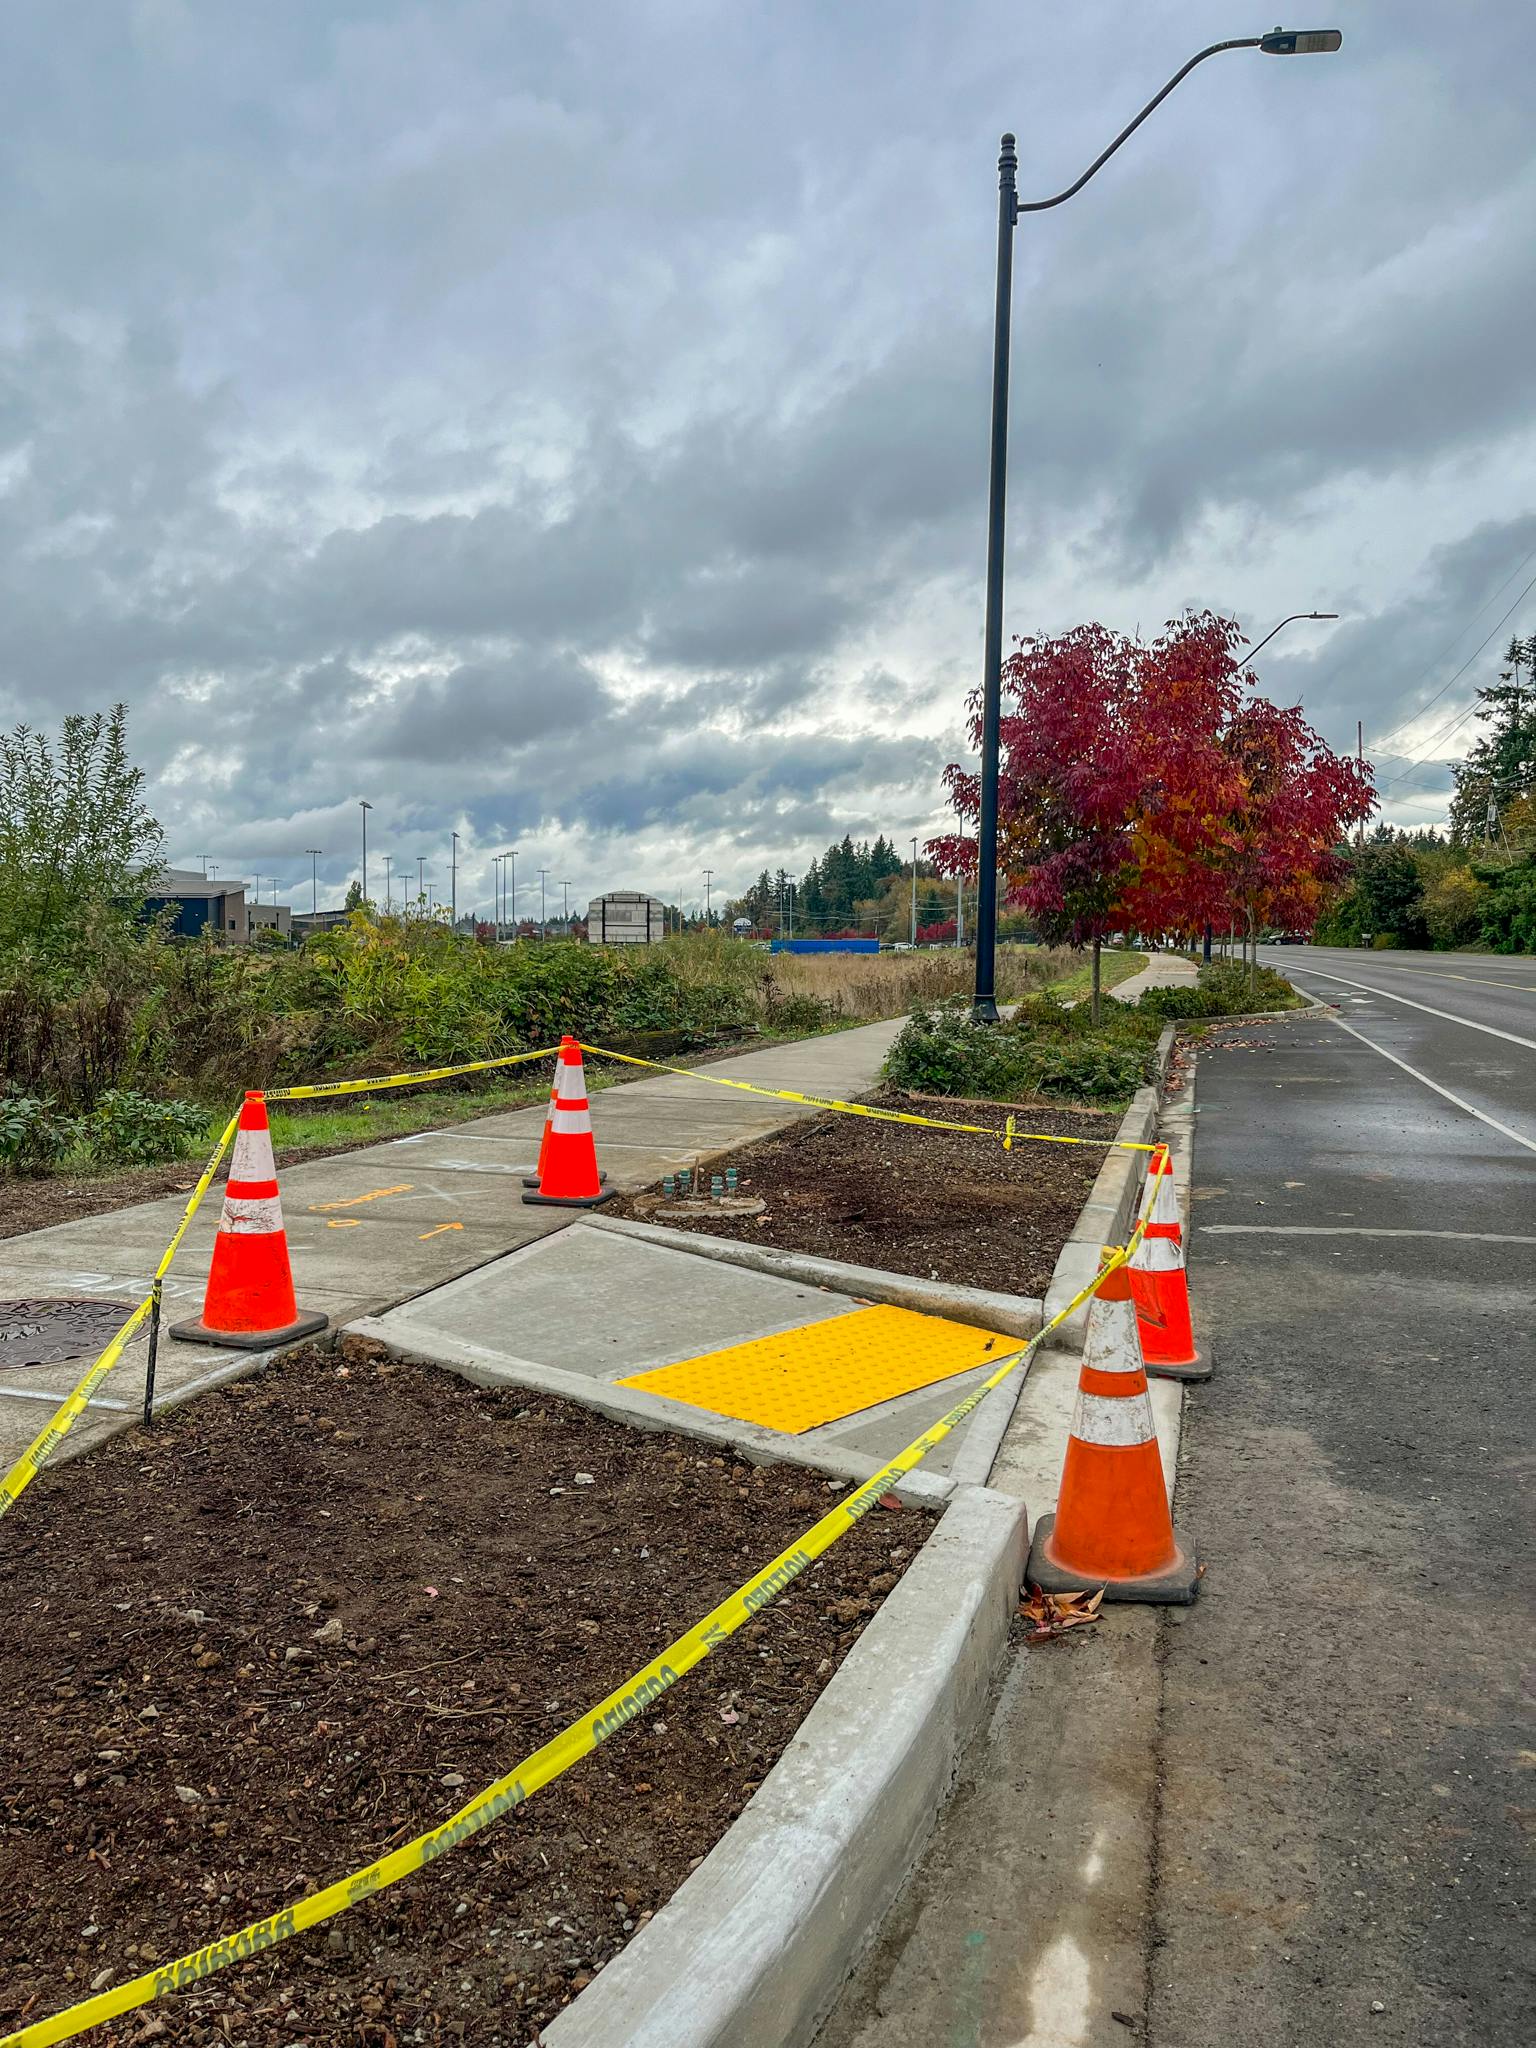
(569,424)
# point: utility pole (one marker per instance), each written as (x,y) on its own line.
(314,853)
(454,882)
(914,890)
(365,807)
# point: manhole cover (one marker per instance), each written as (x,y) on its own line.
(43,1332)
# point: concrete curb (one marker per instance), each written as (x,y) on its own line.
(1018,1315)
(643,1411)
(753,1949)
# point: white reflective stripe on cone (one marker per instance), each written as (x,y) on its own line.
(1165,1203)
(251,1215)
(1157,1255)
(252,1157)
(1115,1420)
(1112,1344)
(570,1120)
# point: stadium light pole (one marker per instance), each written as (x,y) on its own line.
(512,909)
(314,853)
(914,890)
(1278,43)
(567,888)
(365,807)
(389,860)
(543,920)
(453,882)
(709,874)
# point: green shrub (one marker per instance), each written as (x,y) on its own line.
(1044,1049)
(1224,989)
(128,1129)
(34,1135)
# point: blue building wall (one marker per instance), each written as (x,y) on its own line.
(823,945)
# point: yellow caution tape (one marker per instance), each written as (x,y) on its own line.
(884,1116)
(65,1416)
(307,1091)
(635,1696)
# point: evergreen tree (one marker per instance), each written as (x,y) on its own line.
(1502,765)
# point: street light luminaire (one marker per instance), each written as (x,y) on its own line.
(1301,42)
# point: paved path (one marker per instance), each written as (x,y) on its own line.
(1346,1752)
(371,1228)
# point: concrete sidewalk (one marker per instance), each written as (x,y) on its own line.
(373,1228)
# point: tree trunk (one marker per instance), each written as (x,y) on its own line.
(1094,1011)
(1253,953)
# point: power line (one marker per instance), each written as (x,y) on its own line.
(1462,671)
(1396,729)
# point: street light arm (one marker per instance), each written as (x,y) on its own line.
(1248,657)
(1215,50)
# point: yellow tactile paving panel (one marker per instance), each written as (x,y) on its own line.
(823,1371)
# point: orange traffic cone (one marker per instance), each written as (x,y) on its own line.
(1161,1202)
(531,1180)
(568,1175)
(1111,1527)
(249,1302)
(1160,1285)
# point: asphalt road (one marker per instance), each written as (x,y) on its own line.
(1348,1766)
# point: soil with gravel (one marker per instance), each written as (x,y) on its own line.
(939,1204)
(307,1618)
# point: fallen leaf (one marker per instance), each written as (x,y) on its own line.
(1052,1614)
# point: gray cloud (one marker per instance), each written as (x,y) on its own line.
(575,436)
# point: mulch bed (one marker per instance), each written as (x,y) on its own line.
(937,1204)
(308,1617)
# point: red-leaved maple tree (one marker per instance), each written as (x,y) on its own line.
(1142,788)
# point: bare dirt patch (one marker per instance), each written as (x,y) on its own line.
(306,1618)
(938,1204)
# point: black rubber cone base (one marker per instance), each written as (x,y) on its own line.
(1200,1367)
(571,1201)
(1174,1587)
(196,1332)
(531,1180)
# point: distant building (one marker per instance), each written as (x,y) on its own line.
(199,905)
(304,922)
(624,917)
(272,917)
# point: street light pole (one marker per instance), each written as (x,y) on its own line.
(543,920)
(567,888)
(1278,43)
(453,885)
(314,853)
(512,908)
(1289,620)
(421,878)
(365,807)
(708,878)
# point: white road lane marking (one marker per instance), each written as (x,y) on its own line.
(1391,995)
(1352,1230)
(1482,1116)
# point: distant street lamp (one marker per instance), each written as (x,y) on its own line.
(365,807)
(1248,657)
(1278,43)
(314,853)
